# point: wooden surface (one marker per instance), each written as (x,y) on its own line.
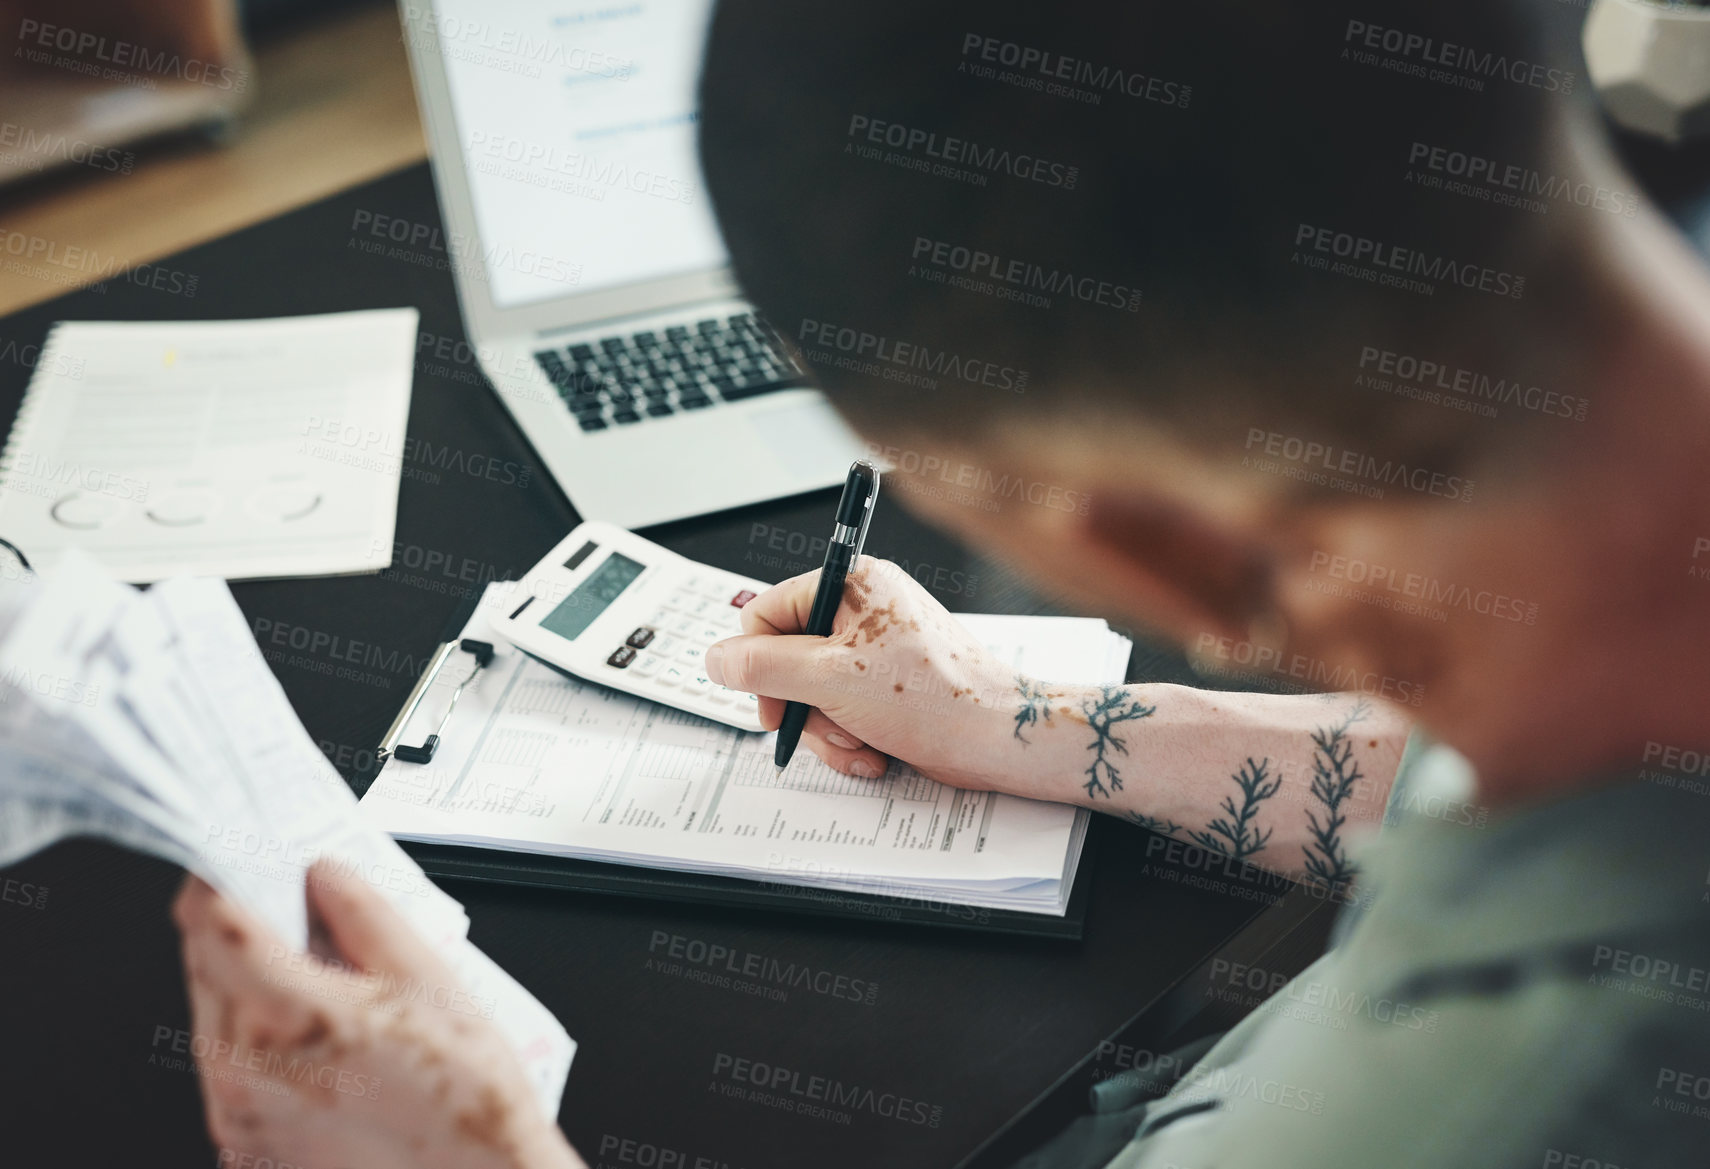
(333,107)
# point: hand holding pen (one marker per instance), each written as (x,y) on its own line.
(848,535)
(899,677)
(768,664)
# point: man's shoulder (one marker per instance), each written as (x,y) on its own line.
(1346,1076)
(1530,989)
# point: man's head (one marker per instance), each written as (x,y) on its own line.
(1263,323)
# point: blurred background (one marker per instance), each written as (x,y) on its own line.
(216,114)
(138,128)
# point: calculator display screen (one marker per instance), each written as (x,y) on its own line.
(592,597)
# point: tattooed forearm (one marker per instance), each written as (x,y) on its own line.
(1155,824)
(1335,771)
(1237,836)
(1034,705)
(1112,706)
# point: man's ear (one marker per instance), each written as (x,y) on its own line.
(1184,569)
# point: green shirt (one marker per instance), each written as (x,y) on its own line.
(1529,989)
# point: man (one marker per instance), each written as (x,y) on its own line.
(1373,374)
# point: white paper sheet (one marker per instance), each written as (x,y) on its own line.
(150,719)
(534,761)
(263,448)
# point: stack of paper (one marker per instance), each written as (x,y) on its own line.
(534,761)
(150,719)
(214,448)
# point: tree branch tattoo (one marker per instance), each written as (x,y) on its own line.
(1112,706)
(1154,824)
(1335,771)
(1237,837)
(1034,705)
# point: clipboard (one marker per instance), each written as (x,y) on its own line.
(573,875)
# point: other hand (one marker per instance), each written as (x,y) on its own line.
(374,1059)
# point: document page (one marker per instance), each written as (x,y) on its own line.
(235,449)
(537,761)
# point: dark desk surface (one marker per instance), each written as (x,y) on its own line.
(975,1028)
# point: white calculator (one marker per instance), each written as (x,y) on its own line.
(613,608)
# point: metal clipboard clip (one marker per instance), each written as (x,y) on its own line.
(482,652)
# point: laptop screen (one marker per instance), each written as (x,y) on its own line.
(577,127)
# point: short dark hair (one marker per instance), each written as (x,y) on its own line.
(1145,205)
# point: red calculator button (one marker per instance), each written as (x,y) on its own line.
(742,598)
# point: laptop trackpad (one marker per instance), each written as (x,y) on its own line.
(807,438)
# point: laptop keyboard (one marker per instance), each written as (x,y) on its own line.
(618,381)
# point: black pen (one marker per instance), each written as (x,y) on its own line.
(854,512)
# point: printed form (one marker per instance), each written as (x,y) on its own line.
(536,761)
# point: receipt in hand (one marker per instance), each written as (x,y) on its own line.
(151,720)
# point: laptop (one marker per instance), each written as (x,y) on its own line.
(592,278)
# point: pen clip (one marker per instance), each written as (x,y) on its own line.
(855,509)
(866,519)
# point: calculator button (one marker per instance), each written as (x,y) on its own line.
(698,684)
(667,647)
(721,695)
(621,657)
(679,601)
(710,633)
(647,665)
(704,607)
(695,583)
(692,655)
(742,598)
(640,637)
(672,676)
(748,703)
(685,626)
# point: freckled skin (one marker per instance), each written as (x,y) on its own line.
(856,590)
(877,623)
(317,1030)
(352,1067)
(897,687)
(486,1124)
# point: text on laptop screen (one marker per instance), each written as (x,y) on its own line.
(577,124)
